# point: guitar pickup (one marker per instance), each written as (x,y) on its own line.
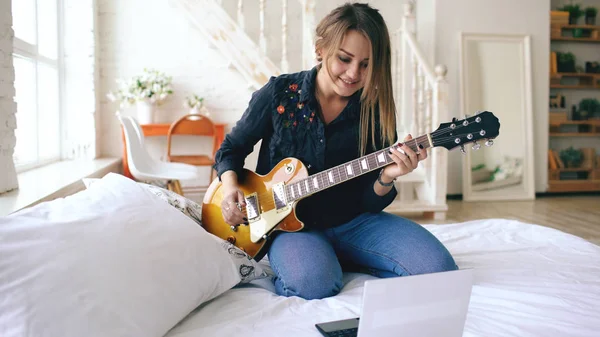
(252,207)
(279,197)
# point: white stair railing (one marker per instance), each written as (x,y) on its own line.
(308,27)
(230,39)
(421,92)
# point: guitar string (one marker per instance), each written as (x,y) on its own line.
(267,201)
(267,196)
(336,175)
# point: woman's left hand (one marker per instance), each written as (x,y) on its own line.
(405,160)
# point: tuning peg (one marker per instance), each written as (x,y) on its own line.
(476,146)
(454,119)
(489,142)
(462,149)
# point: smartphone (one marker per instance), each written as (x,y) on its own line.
(328,328)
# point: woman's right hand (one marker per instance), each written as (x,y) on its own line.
(232,197)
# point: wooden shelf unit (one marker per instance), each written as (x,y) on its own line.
(559,127)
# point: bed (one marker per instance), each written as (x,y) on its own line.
(529,281)
(117,260)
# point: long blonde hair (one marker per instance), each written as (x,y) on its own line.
(377,92)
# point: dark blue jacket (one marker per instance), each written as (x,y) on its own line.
(283,114)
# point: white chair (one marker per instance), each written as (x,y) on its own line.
(143,167)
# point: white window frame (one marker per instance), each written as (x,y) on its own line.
(30,51)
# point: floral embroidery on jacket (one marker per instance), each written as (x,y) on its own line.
(294,111)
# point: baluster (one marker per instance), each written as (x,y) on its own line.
(308,31)
(415,94)
(428,107)
(284,31)
(240,14)
(395,68)
(421,102)
(262,40)
(403,79)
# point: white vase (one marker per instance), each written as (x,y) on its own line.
(195,111)
(145,112)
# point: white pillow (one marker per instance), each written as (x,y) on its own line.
(248,268)
(112,260)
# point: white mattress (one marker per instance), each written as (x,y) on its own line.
(529,281)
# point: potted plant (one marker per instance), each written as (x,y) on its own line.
(148,91)
(590,15)
(575,12)
(571,157)
(194,103)
(587,108)
(566,63)
(592,67)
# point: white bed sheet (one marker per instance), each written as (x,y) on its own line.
(529,280)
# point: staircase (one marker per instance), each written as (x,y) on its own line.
(421,90)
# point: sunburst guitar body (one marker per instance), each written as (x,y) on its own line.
(271,199)
(266,214)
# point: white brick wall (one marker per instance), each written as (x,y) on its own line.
(8,122)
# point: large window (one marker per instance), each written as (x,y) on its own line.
(38,71)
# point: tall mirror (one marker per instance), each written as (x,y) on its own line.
(496,76)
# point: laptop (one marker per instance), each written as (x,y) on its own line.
(424,305)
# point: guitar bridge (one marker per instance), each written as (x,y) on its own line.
(252,207)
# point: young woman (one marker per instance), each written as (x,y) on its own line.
(339,110)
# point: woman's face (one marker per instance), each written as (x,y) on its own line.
(348,65)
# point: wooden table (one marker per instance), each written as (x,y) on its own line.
(162,130)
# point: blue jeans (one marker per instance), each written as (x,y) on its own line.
(309,263)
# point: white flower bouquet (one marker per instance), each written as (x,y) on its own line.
(152,86)
(193,102)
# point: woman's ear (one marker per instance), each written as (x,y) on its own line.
(318,50)
(319,55)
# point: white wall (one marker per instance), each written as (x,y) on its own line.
(8,122)
(496,17)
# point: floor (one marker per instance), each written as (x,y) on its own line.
(577,215)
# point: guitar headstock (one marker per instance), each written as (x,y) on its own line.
(483,125)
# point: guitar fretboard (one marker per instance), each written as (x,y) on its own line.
(352,169)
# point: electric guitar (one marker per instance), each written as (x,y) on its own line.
(271,199)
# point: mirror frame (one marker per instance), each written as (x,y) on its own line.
(528,183)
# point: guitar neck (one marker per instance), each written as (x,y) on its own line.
(350,170)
